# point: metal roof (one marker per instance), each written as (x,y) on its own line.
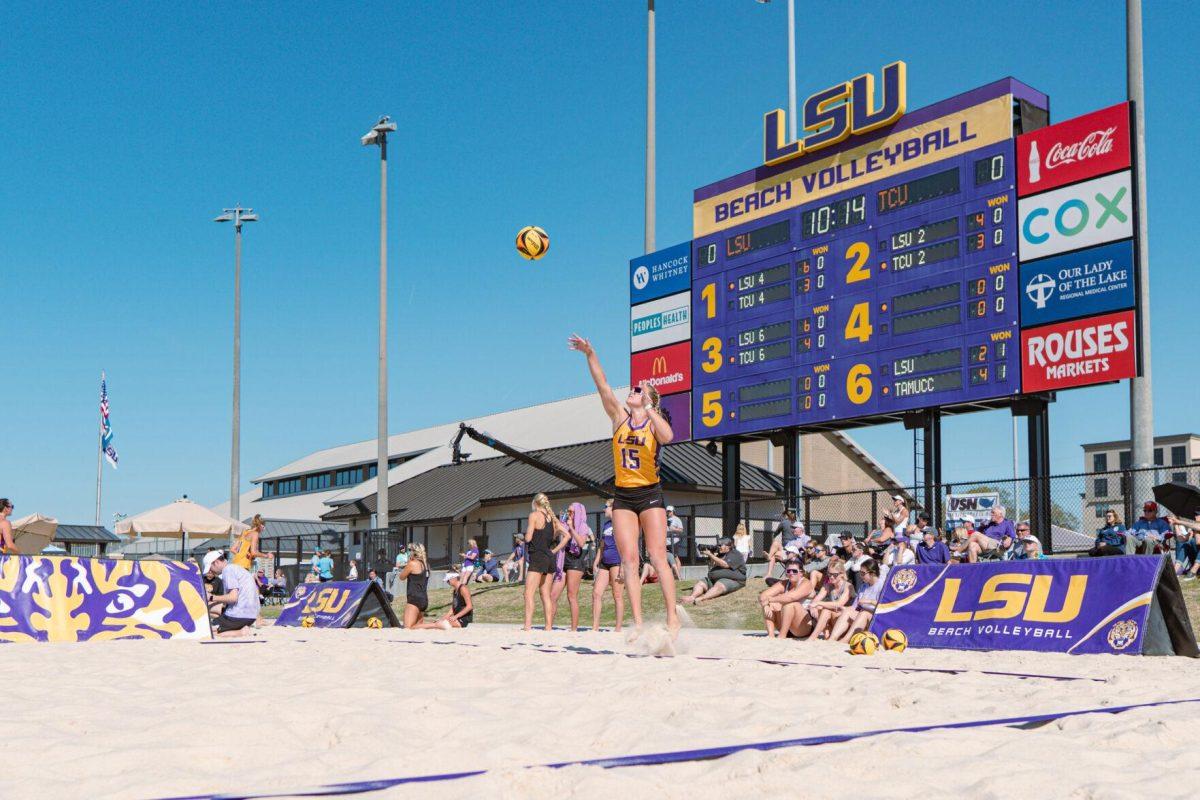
(84,534)
(450,491)
(300,527)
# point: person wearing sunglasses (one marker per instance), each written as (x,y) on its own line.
(7,545)
(858,616)
(640,431)
(793,588)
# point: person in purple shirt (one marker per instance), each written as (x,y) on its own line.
(932,550)
(990,534)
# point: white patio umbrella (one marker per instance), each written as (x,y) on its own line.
(32,533)
(179,519)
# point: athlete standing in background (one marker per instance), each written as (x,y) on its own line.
(639,432)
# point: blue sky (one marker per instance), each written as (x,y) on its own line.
(127,128)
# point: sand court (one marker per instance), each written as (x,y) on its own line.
(295,709)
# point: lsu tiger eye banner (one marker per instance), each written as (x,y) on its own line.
(1121,604)
(338,604)
(70,599)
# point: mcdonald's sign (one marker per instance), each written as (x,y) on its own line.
(668,369)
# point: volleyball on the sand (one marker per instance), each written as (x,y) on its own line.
(865,646)
(532,242)
(856,637)
(894,639)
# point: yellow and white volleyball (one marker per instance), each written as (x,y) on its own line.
(374,622)
(866,646)
(307,622)
(532,242)
(894,639)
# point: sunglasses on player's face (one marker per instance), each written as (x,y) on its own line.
(636,390)
(793,572)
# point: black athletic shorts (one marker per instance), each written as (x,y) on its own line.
(577,564)
(605,565)
(639,499)
(224,623)
(541,561)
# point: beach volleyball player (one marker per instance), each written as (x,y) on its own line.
(639,433)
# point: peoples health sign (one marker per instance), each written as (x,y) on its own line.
(1121,604)
(660,322)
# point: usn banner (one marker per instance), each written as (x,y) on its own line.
(70,599)
(1119,604)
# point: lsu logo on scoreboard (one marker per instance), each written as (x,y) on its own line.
(1018,594)
(834,114)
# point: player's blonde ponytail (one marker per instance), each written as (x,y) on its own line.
(542,503)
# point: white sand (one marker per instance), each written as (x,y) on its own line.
(310,707)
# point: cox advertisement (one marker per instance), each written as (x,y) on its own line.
(1078,353)
(1093,281)
(1086,605)
(1077,216)
(660,322)
(668,369)
(658,274)
(1074,150)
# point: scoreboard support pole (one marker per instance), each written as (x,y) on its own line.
(792,488)
(1037,412)
(731,485)
(933,463)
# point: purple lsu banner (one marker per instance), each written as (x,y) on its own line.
(338,604)
(1082,605)
(71,599)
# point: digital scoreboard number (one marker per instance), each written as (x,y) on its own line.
(900,294)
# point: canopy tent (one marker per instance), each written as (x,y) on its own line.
(180,519)
(33,533)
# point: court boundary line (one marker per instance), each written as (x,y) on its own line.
(678,756)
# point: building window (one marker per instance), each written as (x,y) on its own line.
(1178,456)
(1099,462)
(1158,454)
(290,486)
(268,489)
(372,471)
(1126,459)
(1100,487)
(349,477)
(320,481)
(1179,477)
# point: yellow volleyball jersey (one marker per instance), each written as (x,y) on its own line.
(241,551)
(635,455)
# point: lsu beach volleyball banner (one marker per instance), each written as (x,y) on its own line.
(69,599)
(338,604)
(1119,604)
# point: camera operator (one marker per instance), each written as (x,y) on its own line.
(726,573)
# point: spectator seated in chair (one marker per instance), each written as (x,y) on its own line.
(988,538)
(1110,539)
(1031,548)
(488,569)
(1149,532)
(932,550)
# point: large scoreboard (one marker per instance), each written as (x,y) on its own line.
(954,256)
(896,295)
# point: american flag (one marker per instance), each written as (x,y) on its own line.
(106,434)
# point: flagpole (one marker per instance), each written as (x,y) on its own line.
(99,457)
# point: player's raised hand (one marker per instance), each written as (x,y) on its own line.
(577,342)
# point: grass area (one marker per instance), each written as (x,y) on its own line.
(505,603)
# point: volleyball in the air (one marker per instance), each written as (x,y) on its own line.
(894,639)
(532,242)
(866,646)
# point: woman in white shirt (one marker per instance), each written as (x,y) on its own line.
(741,540)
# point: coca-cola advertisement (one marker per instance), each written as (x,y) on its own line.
(1074,150)
(1078,353)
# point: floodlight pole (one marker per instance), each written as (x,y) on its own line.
(650,199)
(238,216)
(378,136)
(1141,392)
